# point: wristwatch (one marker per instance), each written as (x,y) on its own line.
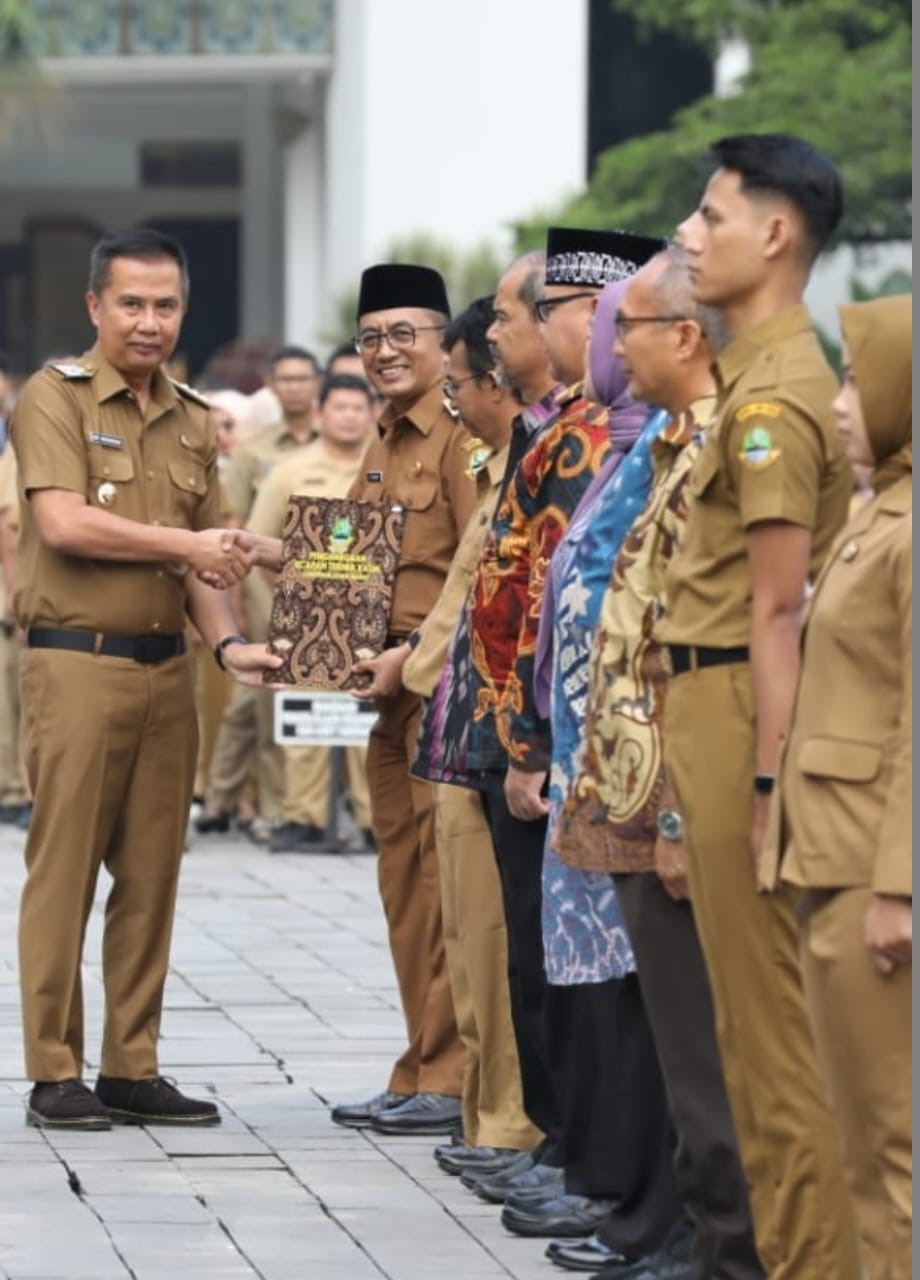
(764,783)
(670,824)
(221,645)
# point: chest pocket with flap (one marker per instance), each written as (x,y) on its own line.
(110,474)
(840,758)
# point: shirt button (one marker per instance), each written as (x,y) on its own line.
(192,482)
(156,626)
(150,475)
(106,471)
(160,573)
(155,522)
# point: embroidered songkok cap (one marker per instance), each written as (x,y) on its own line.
(596,258)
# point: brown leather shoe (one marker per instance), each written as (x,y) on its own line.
(66,1104)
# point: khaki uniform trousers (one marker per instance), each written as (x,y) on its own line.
(246,737)
(110,749)
(790,1151)
(476,944)
(402,810)
(862,1027)
(213,688)
(12,778)
(307,780)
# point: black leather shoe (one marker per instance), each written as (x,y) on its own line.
(523,1160)
(484,1160)
(563,1215)
(426,1113)
(212,823)
(586,1255)
(671,1262)
(358,1115)
(66,1104)
(530,1179)
(295,837)
(152,1101)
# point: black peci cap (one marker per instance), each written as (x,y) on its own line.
(596,258)
(399,284)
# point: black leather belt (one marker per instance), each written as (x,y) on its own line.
(688,657)
(145,649)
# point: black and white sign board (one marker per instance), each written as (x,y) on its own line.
(304,718)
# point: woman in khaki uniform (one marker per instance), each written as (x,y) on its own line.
(846,799)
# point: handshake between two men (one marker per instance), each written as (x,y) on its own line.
(223,557)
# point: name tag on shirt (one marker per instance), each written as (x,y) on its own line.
(107,441)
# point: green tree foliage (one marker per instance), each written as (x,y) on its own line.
(834,71)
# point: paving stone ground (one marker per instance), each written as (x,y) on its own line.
(281,999)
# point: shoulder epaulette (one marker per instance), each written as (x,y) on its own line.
(190,393)
(70,370)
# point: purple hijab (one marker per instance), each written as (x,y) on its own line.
(627,416)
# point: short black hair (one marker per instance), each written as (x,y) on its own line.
(470,328)
(292,352)
(138,242)
(343,349)
(343,382)
(789,166)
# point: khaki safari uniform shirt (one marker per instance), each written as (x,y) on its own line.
(251,462)
(845,784)
(423,666)
(78,427)
(313,472)
(772,454)
(420,461)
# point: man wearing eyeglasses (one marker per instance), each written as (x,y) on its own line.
(419,461)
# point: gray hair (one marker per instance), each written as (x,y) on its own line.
(673,293)
(531,287)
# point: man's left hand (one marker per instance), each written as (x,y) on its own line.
(523,794)
(247,662)
(385,671)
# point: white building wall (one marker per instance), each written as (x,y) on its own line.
(454,120)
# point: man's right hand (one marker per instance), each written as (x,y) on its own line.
(671,868)
(218,558)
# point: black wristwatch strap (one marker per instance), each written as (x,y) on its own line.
(764,783)
(221,645)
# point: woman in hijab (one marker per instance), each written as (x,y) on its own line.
(615,1117)
(844,807)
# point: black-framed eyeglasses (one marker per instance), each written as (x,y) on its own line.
(623,324)
(400,338)
(450,385)
(544,307)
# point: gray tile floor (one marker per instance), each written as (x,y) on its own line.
(281,999)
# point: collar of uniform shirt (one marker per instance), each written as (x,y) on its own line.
(495,466)
(740,353)
(423,415)
(109,381)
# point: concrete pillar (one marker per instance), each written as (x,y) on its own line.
(261,304)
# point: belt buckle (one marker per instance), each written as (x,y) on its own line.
(149,649)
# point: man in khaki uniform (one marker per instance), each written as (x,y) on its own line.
(14,799)
(247,729)
(767,494)
(326,468)
(495,1125)
(421,462)
(118,495)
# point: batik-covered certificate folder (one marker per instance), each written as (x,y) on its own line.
(331,602)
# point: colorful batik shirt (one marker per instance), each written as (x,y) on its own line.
(584,935)
(507,594)
(607,818)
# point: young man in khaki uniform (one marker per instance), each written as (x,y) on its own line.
(247,729)
(419,461)
(767,494)
(118,495)
(495,1125)
(326,468)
